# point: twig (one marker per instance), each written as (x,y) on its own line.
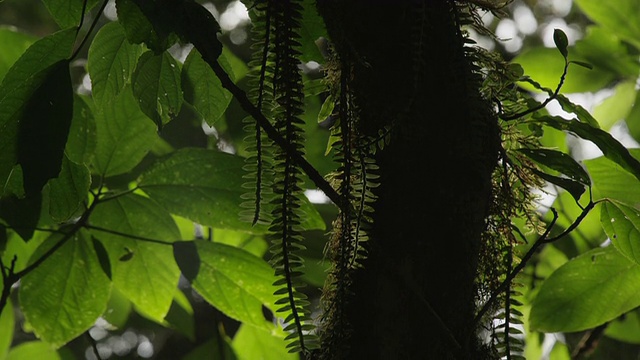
(130,236)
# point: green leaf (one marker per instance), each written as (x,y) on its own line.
(14,43)
(118,309)
(124,135)
(18,85)
(7,322)
(81,143)
(43,128)
(254,343)
(617,106)
(234,281)
(198,26)
(593,288)
(545,66)
(215,345)
(206,187)
(149,22)
(622,225)
(612,181)
(156,85)
(203,89)
(582,114)
(633,118)
(68,190)
(149,276)
(605,51)
(610,147)
(574,188)
(625,329)
(560,162)
(67,13)
(111,62)
(621,17)
(327,108)
(33,350)
(561,41)
(64,295)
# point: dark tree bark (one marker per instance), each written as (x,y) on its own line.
(415,296)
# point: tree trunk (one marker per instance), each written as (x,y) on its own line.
(409,72)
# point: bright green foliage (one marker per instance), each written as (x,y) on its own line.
(68,190)
(591,289)
(33,350)
(622,225)
(621,17)
(7,322)
(64,296)
(14,44)
(143,271)
(68,13)
(253,343)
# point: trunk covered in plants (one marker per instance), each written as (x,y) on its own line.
(407,82)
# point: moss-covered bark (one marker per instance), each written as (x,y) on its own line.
(414,298)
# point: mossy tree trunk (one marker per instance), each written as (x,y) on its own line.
(415,297)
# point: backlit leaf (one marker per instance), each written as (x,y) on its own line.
(612,181)
(206,187)
(254,343)
(68,190)
(124,135)
(81,143)
(561,41)
(14,43)
(67,13)
(622,17)
(591,289)
(622,225)
(149,275)
(6,328)
(560,162)
(65,295)
(33,350)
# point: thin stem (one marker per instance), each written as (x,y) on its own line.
(93,25)
(134,237)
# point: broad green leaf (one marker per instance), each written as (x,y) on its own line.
(617,106)
(610,147)
(206,187)
(622,225)
(327,108)
(215,345)
(65,295)
(68,190)
(143,271)
(44,127)
(81,143)
(156,85)
(612,181)
(7,323)
(111,62)
(67,13)
(33,350)
(118,309)
(560,162)
(24,77)
(234,281)
(622,17)
(604,50)
(14,43)
(545,65)
(581,113)
(591,289)
(251,343)
(124,135)
(203,89)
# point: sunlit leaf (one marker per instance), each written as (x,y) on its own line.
(81,143)
(65,295)
(617,106)
(206,187)
(625,329)
(252,343)
(633,118)
(24,77)
(234,281)
(622,17)
(67,13)
(124,135)
(587,291)
(6,327)
(14,43)
(33,350)
(545,65)
(203,89)
(603,49)
(622,225)
(581,113)
(156,85)
(612,181)
(149,275)
(111,63)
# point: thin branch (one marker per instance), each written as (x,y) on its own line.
(134,237)
(93,25)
